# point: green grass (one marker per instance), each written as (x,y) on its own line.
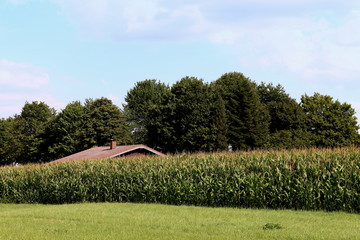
(153,221)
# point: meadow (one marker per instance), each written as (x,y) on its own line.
(155,221)
(326,180)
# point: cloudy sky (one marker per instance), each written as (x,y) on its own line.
(58,51)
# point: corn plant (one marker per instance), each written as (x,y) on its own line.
(299,179)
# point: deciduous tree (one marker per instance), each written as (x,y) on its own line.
(193,115)
(330,122)
(64,135)
(10,144)
(30,127)
(149,109)
(220,124)
(104,121)
(287,119)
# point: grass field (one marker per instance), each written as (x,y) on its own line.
(152,221)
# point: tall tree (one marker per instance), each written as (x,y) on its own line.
(64,135)
(220,124)
(30,125)
(149,109)
(10,144)
(78,127)
(287,119)
(104,121)
(248,119)
(193,115)
(330,122)
(3,141)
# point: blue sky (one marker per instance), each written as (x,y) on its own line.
(58,51)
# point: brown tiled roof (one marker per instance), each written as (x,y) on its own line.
(106,152)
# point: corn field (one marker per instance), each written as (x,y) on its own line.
(303,179)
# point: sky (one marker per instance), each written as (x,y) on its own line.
(59,51)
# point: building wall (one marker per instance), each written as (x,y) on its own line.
(138,153)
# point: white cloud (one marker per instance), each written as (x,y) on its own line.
(22,75)
(135,20)
(356,106)
(12,103)
(310,40)
(160,19)
(307,48)
(20,82)
(14,97)
(115,99)
(9,110)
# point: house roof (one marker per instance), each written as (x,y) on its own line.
(106,152)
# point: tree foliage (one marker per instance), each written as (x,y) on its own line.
(189,116)
(193,115)
(104,121)
(287,118)
(220,124)
(38,134)
(65,134)
(31,124)
(248,119)
(149,109)
(9,141)
(330,122)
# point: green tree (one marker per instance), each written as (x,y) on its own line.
(30,127)
(287,119)
(330,122)
(193,129)
(247,117)
(64,135)
(160,129)
(220,124)
(149,109)
(3,141)
(104,121)
(9,142)
(78,127)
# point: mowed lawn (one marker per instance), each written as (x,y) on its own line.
(153,221)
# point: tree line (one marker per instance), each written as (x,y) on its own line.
(231,113)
